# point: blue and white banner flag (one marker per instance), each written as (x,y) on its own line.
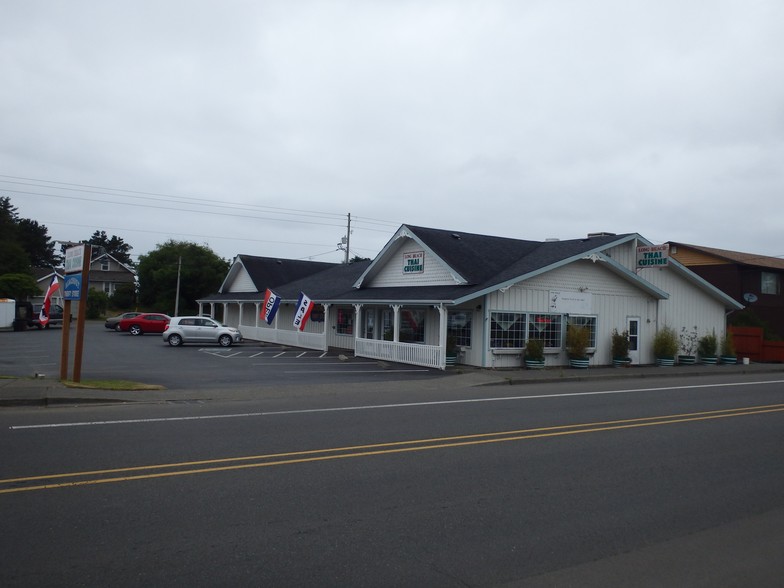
(304,308)
(271,304)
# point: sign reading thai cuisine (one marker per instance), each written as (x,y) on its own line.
(653,256)
(414,262)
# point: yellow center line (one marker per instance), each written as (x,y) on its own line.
(309,456)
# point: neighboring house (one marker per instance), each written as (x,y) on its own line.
(107,274)
(488,293)
(43,277)
(753,280)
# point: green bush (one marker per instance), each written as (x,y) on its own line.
(534,350)
(620,344)
(707,345)
(665,343)
(577,340)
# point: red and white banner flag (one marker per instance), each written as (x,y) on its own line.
(43,316)
(271,304)
(304,308)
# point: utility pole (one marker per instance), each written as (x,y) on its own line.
(345,242)
(348,236)
(177,299)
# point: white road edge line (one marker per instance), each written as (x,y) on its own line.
(385,406)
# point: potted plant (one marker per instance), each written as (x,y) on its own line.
(620,349)
(534,354)
(727,352)
(577,340)
(706,348)
(688,343)
(665,346)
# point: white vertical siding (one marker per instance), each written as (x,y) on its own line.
(435,272)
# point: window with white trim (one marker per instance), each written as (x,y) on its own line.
(547,328)
(412,325)
(507,329)
(458,325)
(589,322)
(345,321)
(770,283)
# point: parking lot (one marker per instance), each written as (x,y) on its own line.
(148,359)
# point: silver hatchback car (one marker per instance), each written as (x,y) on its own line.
(199,329)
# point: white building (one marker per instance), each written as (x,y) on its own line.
(489,294)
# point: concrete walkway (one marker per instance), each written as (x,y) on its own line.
(46,392)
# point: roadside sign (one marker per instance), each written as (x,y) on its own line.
(73,287)
(74,258)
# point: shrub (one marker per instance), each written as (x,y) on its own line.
(620,344)
(534,350)
(665,343)
(707,345)
(577,340)
(728,345)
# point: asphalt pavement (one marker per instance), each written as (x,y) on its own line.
(48,391)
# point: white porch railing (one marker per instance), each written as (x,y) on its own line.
(292,338)
(411,353)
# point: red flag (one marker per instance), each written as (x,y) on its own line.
(43,316)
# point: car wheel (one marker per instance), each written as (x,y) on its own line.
(175,340)
(135,330)
(224,340)
(117,328)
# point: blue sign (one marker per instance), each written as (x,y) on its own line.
(72,288)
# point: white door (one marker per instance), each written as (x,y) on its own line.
(633,326)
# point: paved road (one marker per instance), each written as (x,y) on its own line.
(655,482)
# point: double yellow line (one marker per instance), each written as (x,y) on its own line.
(109,476)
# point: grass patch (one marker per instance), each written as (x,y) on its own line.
(125,385)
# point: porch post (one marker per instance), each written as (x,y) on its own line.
(326,326)
(258,312)
(442,335)
(357,323)
(396,322)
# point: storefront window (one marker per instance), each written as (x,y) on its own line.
(458,325)
(507,329)
(546,328)
(589,322)
(412,326)
(345,325)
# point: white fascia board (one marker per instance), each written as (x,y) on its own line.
(403,232)
(390,302)
(233,270)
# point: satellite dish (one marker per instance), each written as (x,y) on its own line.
(749,297)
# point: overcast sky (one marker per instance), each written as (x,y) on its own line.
(256,127)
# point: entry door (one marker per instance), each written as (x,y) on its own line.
(633,326)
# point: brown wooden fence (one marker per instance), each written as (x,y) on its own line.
(750,343)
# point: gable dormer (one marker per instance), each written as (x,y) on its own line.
(408,261)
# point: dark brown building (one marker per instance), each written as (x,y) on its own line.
(753,280)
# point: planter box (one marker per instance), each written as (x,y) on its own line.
(534,364)
(687,360)
(728,360)
(665,361)
(709,360)
(621,362)
(581,363)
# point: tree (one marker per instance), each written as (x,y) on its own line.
(35,240)
(113,245)
(23,242)
(124,297)
(97,303)
(201,273)
(18,286)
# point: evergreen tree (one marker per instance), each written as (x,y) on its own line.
(201,273)
(113,245)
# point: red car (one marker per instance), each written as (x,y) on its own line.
(147,322)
